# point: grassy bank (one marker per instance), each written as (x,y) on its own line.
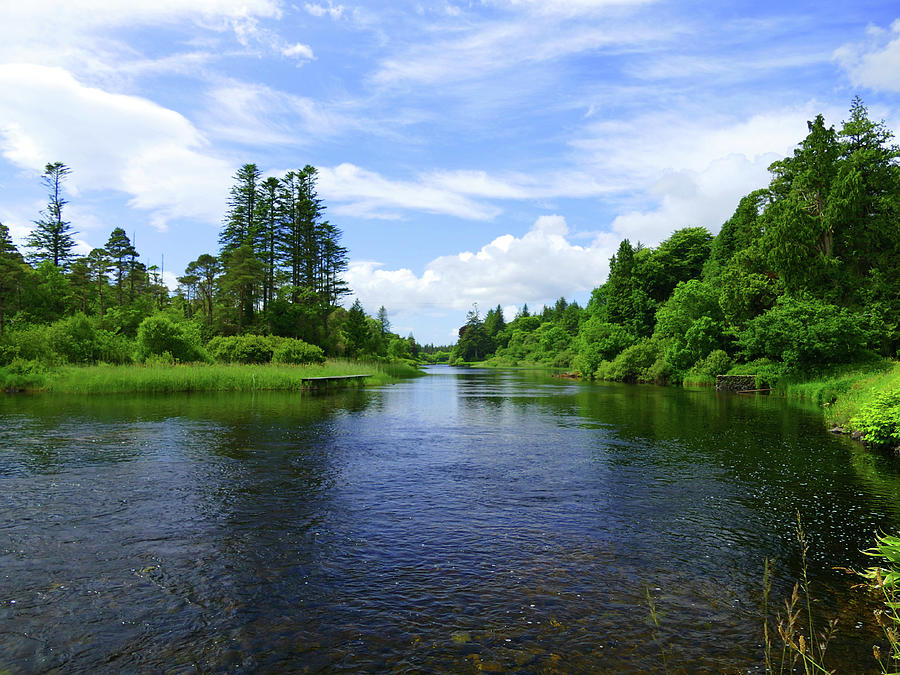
(846,394)
(166,378)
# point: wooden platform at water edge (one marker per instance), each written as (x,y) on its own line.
(321,383)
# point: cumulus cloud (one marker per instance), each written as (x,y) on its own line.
(875,63)
(690,170)
(504,271)
(298,50)
(110,141)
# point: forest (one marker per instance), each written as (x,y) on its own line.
(803,277)
(271,293)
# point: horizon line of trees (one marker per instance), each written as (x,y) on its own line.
(805,274)
(278,271)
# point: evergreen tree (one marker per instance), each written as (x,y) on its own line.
(98,263)
(268,208)
(356,329)
(241,219)
(207,270)
(122,253)
(52,238)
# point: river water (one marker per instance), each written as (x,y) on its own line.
(465,521)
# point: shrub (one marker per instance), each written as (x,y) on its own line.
(804,332)
(633,364)
(297,351)
(241,349)
(716,363)
(158,334)
(74,339)
(879,421)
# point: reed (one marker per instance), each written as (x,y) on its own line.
(171,378)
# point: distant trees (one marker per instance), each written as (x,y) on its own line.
(805,273)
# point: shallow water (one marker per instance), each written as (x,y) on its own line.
(469,520)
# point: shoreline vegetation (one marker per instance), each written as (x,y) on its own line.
(161,377)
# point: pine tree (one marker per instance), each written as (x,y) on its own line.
(52,238)
(122,253)
(98,267)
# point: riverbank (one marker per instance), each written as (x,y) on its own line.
(172,378)
(862,400)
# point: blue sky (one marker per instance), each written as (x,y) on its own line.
(492,152)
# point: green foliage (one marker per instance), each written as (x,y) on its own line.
(716,363)
(242,349)
(297,351)
(598,341)
(75,340)
(637,363)
(158,334)
(803,333)
(879,421)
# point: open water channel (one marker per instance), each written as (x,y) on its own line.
(468,520)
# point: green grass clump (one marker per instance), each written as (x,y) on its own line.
(161,377)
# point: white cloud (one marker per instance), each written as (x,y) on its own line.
(255,114)
(536,268)
(76,27)
(690,170)
(110,141)
(874,64)
(474,53)
(316,9)
(363,193)
(366,193)
(298,50)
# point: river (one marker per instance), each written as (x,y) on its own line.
(465,521)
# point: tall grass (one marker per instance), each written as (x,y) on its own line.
(166,378)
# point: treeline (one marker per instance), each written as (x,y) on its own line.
(271,292)
(805,274)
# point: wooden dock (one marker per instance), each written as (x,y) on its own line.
(320,383)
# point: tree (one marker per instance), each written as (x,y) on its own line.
(356,329)
(474,343)
(800,223)
(11,273)
(241,219)
(207,270)
(98,266)
(241,273)
(268,208)
(52,238)
(383,321)
(122,253)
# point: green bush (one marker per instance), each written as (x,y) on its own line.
(634,364)
(297,351)
(716,363)
(75,340)
(114,348)
(158,334)
(803,333)
(31,343)
(241,349)
(879,421)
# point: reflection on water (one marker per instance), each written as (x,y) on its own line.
(470,520)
